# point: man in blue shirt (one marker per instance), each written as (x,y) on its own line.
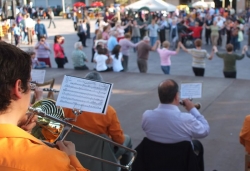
(112,41)
(167,124)
(40,30)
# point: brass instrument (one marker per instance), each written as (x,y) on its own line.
(52,126)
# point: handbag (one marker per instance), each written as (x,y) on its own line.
(65,59)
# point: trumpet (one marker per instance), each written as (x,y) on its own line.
(52,120)
(196,105)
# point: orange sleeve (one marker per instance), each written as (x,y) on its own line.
(245,134)
(114,129)
(76,164)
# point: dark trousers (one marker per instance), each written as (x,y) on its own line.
(60,62)
(84,67)
(220,38)
(199,71)
(230,74)
(143,33)
(16,39)
(88,31)
(38,37)
(125,62)
(108,69)
(162,35)
(93,54)
(142,65)
(199,151)
(75,26)
(52,21)
(234,41)
(207,35)
(82,37)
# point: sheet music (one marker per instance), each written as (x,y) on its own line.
(84,94)
(38,75)
(191,90)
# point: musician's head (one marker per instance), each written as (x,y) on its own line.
(15,68)
(168,92)
(94,76)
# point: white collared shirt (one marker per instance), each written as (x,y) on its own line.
(167,124)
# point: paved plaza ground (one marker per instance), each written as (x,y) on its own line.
(225,102)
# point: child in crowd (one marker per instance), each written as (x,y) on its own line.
(35,63)
(16,33)
(117,59)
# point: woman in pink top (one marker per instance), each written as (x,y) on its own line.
(58,51)
(165,55)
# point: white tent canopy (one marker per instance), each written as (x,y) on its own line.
(200,4)
(153,5)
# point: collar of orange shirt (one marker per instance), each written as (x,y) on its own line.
(10,130)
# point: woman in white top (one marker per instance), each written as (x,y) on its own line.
(120,30)
(101,59)
(117,59)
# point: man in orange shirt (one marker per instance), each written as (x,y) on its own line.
(245,134)
(19,150)
(103,124)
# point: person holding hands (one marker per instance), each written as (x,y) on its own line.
(199,55)
(230,59)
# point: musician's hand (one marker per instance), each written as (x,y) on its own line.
(38,93)
(67,146)
(28,122)
(188,104)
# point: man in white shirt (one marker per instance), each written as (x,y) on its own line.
(167,124)
(29,24)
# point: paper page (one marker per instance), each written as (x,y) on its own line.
(38,75)
(191,90)
(85,95)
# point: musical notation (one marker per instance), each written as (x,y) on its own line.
(191,90)
(83,94)
(38,75)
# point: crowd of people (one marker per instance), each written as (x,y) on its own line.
(140,32)
(145,32)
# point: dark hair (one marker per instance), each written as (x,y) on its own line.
(14,64)
(57,37)
(29,52)
(167,91)
(116,51)
(229,47)
(41,37)
(198,43)
(99,50)
(105,51)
